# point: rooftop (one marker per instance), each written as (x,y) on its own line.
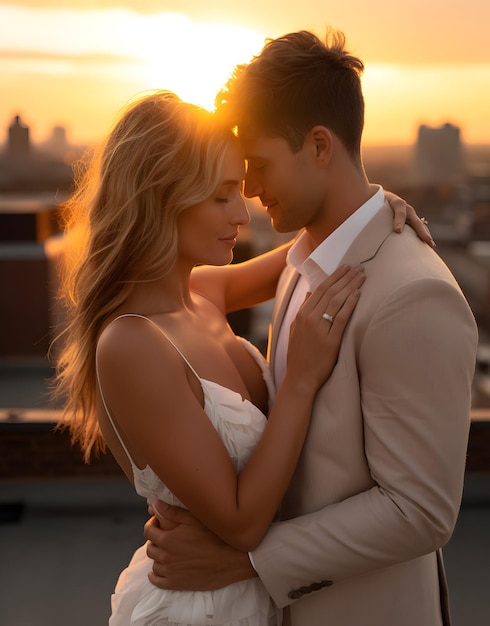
(61,559)
(64,541)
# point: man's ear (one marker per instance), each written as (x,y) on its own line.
(322,141)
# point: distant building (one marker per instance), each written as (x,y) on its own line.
(32,184)
(25,168)
(57,144)
(29,254)
(439,156)
(18,139)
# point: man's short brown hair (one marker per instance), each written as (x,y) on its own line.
(295,83)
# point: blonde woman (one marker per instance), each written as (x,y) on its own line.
(150,366)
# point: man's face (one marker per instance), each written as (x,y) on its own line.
(289,185)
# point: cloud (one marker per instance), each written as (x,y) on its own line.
(79,59)
(138,6)
(379,31)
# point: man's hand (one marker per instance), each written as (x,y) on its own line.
(189,557)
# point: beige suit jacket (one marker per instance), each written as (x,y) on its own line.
(378,486)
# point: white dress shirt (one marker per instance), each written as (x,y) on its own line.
(314,266)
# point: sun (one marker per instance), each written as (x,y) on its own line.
(194,59)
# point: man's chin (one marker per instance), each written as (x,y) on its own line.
(281,228)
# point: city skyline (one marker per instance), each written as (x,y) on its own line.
(76,63)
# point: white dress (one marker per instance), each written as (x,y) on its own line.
(136,601)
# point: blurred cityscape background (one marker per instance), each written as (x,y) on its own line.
(66,528)
(447,181)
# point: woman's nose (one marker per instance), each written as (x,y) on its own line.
(241,215)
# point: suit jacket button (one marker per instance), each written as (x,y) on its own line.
(326,583)
(295,594)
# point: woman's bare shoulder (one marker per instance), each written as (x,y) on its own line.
(124,331)
(133,341)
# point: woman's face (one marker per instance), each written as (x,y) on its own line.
(208,230)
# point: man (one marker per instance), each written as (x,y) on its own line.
(378,487)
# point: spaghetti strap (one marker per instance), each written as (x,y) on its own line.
(108,413)
(143,317)
(98,376)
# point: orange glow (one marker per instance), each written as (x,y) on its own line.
(84,88)
(399,98)
(192,59)
(77,67)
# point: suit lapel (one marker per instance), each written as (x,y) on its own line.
(285,288)
(363,248)
(366,245)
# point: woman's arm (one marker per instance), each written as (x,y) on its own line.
(241,285)
(147,387)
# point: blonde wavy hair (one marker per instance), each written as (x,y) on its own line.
(162,157)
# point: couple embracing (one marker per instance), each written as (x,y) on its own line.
(334,510)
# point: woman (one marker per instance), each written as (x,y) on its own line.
(150,366)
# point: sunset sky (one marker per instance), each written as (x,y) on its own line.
(75,63)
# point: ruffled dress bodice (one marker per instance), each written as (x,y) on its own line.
(238,422)
(136,601)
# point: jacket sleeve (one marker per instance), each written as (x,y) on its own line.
(415,402)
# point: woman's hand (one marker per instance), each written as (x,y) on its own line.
(406,214)
(317,330)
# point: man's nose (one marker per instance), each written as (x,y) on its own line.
(252,186)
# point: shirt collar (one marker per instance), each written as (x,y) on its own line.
(325,258)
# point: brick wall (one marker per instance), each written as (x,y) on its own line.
(478,458)
(30,448)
